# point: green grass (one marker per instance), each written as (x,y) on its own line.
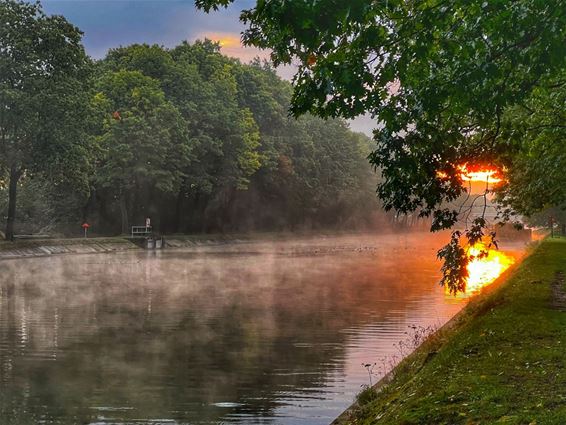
(503,360)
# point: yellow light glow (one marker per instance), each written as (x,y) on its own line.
(485,270)
(225,40)
(487,175)
(231,46)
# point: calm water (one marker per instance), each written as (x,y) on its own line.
(244,333)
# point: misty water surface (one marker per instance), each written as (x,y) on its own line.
(250,333)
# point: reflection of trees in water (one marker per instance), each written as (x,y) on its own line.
(170,335)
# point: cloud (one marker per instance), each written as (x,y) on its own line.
(230,44)
(111,23)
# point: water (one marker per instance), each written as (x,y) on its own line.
(243,333)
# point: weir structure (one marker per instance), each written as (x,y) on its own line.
(144,237)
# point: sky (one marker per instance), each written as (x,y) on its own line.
(112,23)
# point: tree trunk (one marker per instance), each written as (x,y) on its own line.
(179,208)
(15,175)
(124,213)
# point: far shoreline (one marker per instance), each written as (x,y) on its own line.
(45,247)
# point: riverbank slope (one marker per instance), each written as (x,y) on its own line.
(24,248)
(38,247)
(41,247)
(503,360)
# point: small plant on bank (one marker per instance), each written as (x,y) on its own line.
(366,395)
(416,335)
(369,367)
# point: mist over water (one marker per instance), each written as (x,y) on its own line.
(246,333)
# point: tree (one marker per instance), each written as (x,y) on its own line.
(437,76)
(143,139)
(42,62)
(227,153)
(536,130)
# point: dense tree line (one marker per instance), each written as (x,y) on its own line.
(200,142)
(195,140)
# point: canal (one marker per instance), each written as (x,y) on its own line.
(257,332)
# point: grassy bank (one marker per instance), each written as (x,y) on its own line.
(503,360)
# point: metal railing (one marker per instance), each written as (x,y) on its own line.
(141,231)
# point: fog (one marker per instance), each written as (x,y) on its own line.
(249,332)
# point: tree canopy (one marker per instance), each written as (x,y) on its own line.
(239,162)
(144,141)
(442,79)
